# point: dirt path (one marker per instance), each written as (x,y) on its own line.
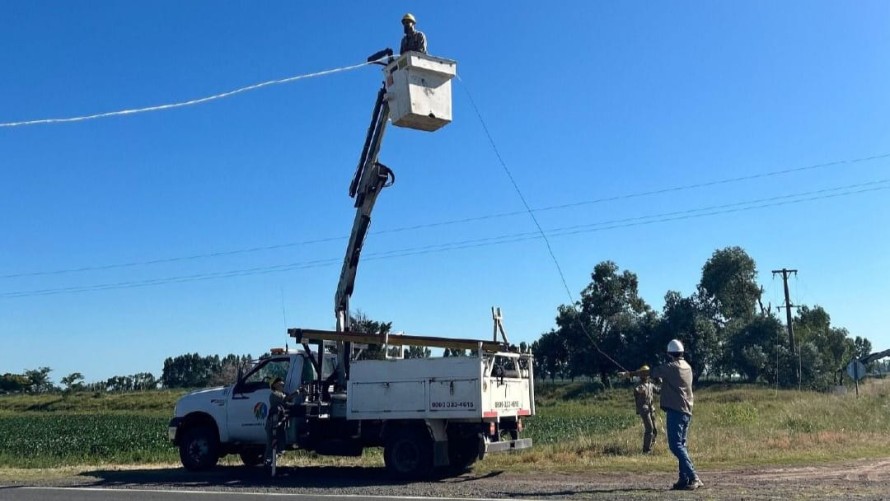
(851,480)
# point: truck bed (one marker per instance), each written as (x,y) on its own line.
(434,388)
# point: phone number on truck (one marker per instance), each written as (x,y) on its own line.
(452,405)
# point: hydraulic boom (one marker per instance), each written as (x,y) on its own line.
(416,94)
(369,180)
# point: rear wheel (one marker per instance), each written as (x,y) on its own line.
(409,454)
(199,448)
(463,452)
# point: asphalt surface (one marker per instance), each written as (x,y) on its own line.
(105,494)
(848,480)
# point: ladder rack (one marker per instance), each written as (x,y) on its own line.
(314,335)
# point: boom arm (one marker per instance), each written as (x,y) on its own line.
(370,178)
(874,356)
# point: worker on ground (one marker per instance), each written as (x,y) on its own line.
(278,402)
(413,40)
(644,394)
(676,402)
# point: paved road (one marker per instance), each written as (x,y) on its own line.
(849,479)
(104,494)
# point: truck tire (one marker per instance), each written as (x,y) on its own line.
(199,448)
(409,454)
(252,457)
(462,453)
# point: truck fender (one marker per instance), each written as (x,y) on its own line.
(196,419)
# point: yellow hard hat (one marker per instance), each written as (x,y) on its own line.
(409,18)
(644,368)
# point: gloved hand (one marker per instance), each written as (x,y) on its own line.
(622,374)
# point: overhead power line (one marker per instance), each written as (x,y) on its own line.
(471,219)
(181,104)
(481,242)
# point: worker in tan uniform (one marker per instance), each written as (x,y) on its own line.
(413,40)
(644,395)
(278,404)
(676,402)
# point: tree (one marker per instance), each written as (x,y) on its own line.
(861,347)
(73,382)
(729,279)
(750,343)
(120,384)
(834,346)
(144,381)
(609,311)
(551,355)
(454,352)
(689,320)
(39,381)
(13,383)
(361,323)
(417,352)
(228,369)
(189,371)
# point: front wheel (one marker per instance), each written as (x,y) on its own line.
(251,457)
(409,454)
(199,449)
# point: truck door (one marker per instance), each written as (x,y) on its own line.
(248,406)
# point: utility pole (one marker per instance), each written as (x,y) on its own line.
(785,272)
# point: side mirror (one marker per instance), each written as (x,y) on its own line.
(238,386)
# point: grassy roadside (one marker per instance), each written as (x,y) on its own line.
(576,429)
(734,427)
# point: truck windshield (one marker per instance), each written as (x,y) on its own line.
(267,370)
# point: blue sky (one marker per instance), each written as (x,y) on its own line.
(585,101)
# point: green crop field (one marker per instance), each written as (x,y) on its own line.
(46,440)
(576,427)
(40,431)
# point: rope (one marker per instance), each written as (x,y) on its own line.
(182,104)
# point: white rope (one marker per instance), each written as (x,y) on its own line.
(185,103)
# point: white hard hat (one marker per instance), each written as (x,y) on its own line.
(675,346)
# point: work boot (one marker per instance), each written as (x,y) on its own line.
(694,484)
(680,485)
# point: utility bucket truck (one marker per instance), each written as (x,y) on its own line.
(427,413)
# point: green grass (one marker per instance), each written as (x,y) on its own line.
(577,427)
(733,427)
(148,401)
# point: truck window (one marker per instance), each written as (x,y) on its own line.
(264,373)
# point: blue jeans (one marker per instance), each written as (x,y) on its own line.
(677,428)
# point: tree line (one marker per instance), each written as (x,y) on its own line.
(190,370)
(39,381)
(726,329)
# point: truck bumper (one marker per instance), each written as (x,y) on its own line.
(508,445)
(172,428)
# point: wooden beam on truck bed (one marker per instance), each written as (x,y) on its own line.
(306,335)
